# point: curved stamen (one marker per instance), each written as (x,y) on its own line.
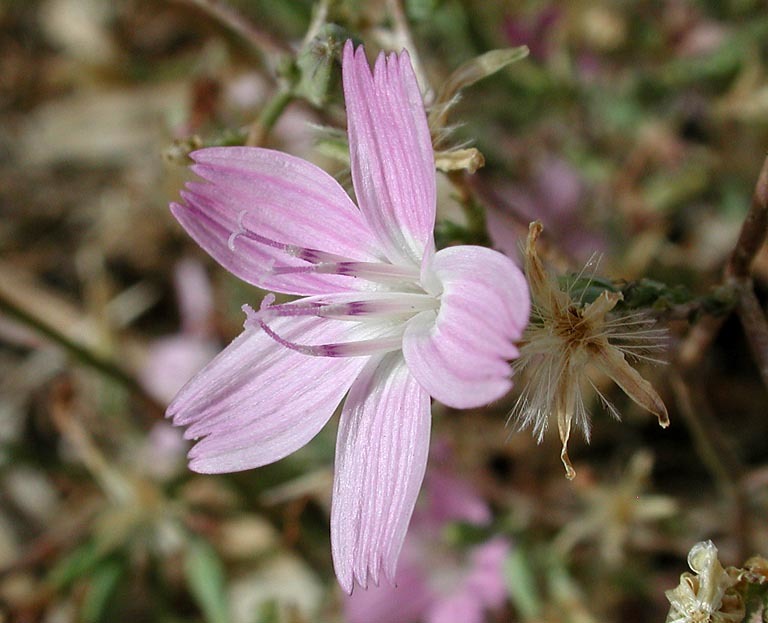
(383,305)
(371,271)
(322,262)
(359,348)
(313,256)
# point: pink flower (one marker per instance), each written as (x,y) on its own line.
(385,319)
(537,31)
(436,586)
(435,583)
(553,193)
(174,359)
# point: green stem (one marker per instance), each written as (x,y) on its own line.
(269,116)
(474,212)
(101,364)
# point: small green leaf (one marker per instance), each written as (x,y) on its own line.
(521,584)
(205,579)
(462,534)
(478,68)
(269,612)
(103,583)
(420,10)
(648,293)
(75,565)
(466,75)
(585,288)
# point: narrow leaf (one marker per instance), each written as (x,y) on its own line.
(103,585)
(521,584)
(205,579)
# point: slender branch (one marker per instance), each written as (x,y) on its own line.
(319,17)
(714,449)
(473,210)
(269,116)
(755,326)
(262,41)
(101,364)
(753,231)
(692,349)
(112,483)
(711,445)
(738,277)
(739,273)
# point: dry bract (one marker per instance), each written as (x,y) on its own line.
(567,342)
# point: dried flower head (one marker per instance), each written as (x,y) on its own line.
(567,342)
(707,594)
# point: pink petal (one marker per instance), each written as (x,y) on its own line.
(195,297)
(278,196)
(453,499)
(381,455)
(404,603)
(482,588)
(259,401)
(390,148)
(448,497)
(172,361)
(486,579)
(456,607)
(459,355)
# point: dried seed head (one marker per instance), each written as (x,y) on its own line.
(566,343)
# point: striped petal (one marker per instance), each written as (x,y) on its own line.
(459,354)
(391,155)
(259,401)
(280,197)
(381,455)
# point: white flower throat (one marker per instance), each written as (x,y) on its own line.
(396,295)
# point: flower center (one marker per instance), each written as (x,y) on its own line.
(322,262)
(391,308)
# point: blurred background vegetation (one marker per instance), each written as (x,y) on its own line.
(634,129)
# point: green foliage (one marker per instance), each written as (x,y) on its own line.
(76,564)
(648,293)
(420,10)
(585,287)
(204,572)
(462,534)
(102,588)
(521,584)
(269,613)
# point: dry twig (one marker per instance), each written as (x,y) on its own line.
(262,41)
(714,448)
